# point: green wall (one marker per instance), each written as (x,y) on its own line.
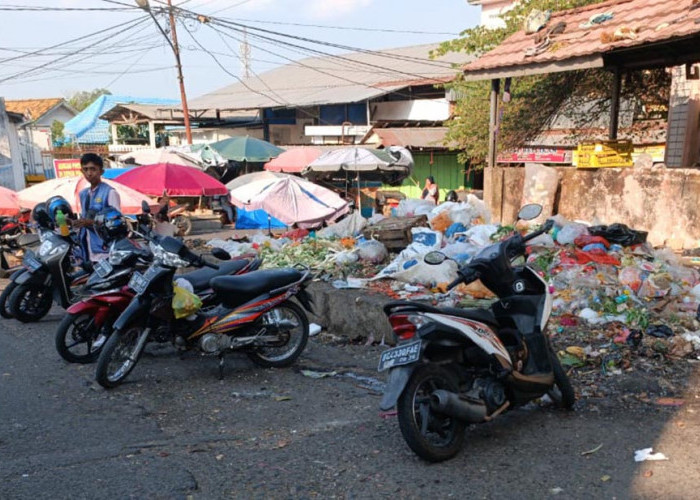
(447,171)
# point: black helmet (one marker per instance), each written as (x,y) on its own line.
(56,204)
(110,224)
(40,215)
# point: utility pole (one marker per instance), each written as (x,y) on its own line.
(176,50)
(245,54)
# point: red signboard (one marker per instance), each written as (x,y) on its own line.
(536,155)
(66,168)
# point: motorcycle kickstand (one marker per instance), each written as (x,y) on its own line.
(221,366)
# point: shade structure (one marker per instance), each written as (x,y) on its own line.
(70,187)
(113,173)
(173,180)
(245,148)
(9,202)
(159,155)
(247,179)
(393,159)
(294,161)
(291,200)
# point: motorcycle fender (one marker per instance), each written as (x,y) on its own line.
(100,307)
(306,300)
(26,278)
(395,384)
(139,306)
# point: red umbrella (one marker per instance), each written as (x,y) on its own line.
(171,179)
(9,203)
(294,160)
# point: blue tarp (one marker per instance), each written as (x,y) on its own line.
(86,127)
(113,173)
(256,219)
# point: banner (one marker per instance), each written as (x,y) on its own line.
(536,155)
(66,168)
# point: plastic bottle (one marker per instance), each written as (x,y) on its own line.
(62,224)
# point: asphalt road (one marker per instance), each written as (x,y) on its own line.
(176,431)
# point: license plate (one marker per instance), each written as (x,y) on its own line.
(401,355)
(138,283)
(31,263)
(103,268)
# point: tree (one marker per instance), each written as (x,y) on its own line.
(583,96)
(57,132)
(81,100)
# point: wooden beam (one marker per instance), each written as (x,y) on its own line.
(493,123)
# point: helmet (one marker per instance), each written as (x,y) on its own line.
(110,224)
(56,203)
(41,216)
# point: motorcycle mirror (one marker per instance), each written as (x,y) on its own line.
(220,254)
(529,212)
(145,207)
(435,258)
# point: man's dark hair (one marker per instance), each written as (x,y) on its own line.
(92,158)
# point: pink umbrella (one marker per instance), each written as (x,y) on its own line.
(9,203)
(171,179)
(70,187)
(291,200)
(294,160)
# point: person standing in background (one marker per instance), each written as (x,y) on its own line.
(431,191)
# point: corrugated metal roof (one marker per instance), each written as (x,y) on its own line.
(423,137)
(580,46)
(328,80)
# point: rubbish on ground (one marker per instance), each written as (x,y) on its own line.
(605,478)
(670,402)
(620,234)
(372,251)
(568,234)
(350,226)
(591,452)
(596,19)
(314,329)
(647,454)
(659,331)
(315,374)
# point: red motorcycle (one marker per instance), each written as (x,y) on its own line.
(88,323)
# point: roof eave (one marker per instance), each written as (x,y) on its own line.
(531,69)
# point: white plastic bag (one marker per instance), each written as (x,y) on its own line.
(346,257)
(350,226)
(426,240)
(428,275)
(372,251)
(480,236)
(568,234)
(412,206)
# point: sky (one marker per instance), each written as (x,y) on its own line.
(135,60)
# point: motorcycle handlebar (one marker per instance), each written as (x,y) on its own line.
(463,277)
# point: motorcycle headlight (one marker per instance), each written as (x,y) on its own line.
(49,248)
(167,258)
(117,257)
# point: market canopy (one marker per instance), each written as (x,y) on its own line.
(294,161)
(70,187)
(246,148)
(173,180)
(629,34)
(290,199)
(390,165)
(152,156)
(9,202)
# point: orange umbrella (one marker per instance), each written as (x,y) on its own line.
(9,204)
(70,187)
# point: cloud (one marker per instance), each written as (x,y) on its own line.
(326,9)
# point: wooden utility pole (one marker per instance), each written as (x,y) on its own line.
(183,95)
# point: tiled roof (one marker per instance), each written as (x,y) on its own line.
(580,46)
(32,109)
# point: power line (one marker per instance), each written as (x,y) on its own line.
(37,8)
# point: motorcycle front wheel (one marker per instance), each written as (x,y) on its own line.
(120,355)
(5,302)
(30,303)
(431,435)
(76,338)
(289,322)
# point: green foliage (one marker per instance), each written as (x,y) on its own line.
(81,100)
(57,131)
(582,96)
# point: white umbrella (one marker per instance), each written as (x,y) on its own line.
(159,155)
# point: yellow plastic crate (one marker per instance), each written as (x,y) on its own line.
(592,160)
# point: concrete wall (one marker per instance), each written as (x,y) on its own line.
(663,201)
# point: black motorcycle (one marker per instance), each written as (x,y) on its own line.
(454,367)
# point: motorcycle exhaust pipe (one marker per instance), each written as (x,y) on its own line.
(450,404)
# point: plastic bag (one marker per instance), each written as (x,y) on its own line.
(346,257)
(425,239)
(568,234)
(185,302)
(620,234)
(372,251)
(411,206)
(631,277)
(455,228)
(481,235)
(350,226)
(441,222)
(460,251)
(428,275)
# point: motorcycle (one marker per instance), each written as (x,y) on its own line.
(253,312)
(18,245)
(454,367)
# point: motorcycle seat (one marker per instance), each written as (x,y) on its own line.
(201,277)
(480,315)
(237,290)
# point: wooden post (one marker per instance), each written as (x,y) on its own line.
(152,134)
(615,104)
(183,96)
(493,123)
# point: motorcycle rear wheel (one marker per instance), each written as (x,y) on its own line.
(293,341)
(432,436)
(119,356)
(75,338)
(4,300)
(563,393)
(30,303)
